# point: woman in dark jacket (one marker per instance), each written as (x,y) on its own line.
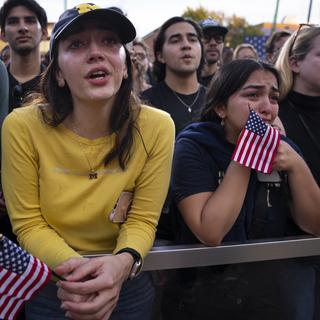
(221,200)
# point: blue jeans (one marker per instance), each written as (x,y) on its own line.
(135,302)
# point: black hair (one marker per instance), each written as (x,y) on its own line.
(159,69)
(30,4)
(228,80)
(58,105)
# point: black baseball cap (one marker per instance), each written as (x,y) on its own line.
(112,15)
(211,24)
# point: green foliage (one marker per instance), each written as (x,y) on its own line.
(238,26)
(202,13)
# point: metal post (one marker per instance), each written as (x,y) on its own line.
(309,11)
(274,25)
(65,5)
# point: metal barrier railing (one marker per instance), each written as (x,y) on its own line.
(186,256)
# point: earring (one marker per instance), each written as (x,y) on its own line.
(222,120)
(61,83)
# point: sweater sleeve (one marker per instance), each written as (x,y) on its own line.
(138,232)
(21,184)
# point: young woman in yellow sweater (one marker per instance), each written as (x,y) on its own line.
(86,168)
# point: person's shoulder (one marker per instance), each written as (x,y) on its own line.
(29,116)
(155,129)
(151,115)
(153,92)
(30,111)
(154,123)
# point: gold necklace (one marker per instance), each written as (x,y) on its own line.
(93,174)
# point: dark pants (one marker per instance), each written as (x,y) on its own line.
(271,290)
(135,302)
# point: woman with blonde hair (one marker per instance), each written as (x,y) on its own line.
(299,67)
(245,51)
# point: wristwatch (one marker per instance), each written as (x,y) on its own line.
(137,264)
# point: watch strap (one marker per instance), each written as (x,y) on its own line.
(137,264)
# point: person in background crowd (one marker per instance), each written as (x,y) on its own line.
(45,58)
(23,25)
(298,64)
(227,55)
(142,77)
(213,42)
(4,90)
(245,51)
(5,55)
(223,201)
(86,168)
(275,43)
(178,55)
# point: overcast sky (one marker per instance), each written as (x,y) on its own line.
(147,15)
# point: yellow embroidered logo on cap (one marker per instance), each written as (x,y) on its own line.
(86,7)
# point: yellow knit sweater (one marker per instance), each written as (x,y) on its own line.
(57,211)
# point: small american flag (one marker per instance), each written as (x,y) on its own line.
(257,144)
(21,275)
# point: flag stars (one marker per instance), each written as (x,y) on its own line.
(8,257)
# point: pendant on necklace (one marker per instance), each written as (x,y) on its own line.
(189,109)
(93,175)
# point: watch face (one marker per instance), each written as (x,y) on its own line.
(135,269)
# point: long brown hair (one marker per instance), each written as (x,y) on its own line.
(57,104)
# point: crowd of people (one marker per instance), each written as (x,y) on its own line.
(107,149)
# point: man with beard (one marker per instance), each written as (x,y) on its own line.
(178,55)
(213,42)
(23,25)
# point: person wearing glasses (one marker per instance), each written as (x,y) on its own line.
(213,43)
(298,64)
(86,168)
(299,67)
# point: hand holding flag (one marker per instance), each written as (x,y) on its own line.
(21,275)
(257,144)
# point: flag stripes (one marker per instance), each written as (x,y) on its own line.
(257,144)
(21,275)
